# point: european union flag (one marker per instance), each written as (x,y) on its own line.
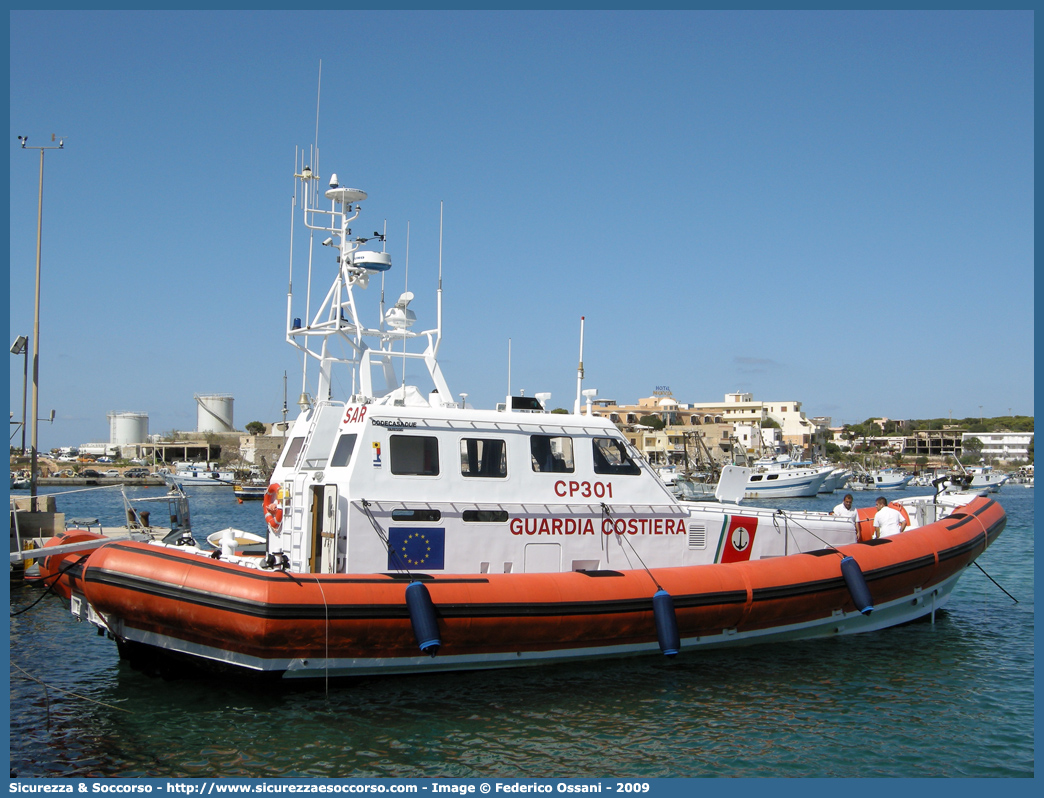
(416,547)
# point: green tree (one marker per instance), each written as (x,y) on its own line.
(652,421)
(972,447)
(255,428)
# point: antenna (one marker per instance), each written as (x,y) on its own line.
(318,91)
(384,248)
(405,290)
(311,243)
(580,370)
(290,279)
(509,368)
(438,297)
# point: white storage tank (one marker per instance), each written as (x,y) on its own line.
(214,412)
(128,428)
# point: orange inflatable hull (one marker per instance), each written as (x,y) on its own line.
(164,597)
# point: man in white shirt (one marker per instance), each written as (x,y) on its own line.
(845,510)
(888,520)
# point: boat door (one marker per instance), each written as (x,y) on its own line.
(323,557)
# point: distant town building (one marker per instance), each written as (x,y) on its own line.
(796,430)
(1003,446)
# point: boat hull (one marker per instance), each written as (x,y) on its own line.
(164,599)
(781,485)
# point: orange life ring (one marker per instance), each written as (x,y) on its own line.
(272,507)
(865,524)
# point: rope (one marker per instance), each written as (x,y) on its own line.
(1005,592)
(326,615)
(985,543)
(50,587)
(68,692)
(384,539)
(605,510)
(787,518)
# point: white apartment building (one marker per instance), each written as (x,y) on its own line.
(1005,446)
(757,439)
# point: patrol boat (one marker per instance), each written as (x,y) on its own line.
(409,532)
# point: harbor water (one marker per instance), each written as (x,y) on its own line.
(953,698)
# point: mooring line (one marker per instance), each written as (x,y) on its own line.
(1005,592)
(68,692)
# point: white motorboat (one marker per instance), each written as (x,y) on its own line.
(202,474)
(779,477)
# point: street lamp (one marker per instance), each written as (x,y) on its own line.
(21,347)
(36,320)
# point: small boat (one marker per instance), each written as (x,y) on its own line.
(410,533)
(203,474)
(250,490)
(881,480)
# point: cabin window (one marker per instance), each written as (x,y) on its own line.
(416,455)
(756,478)
(552,453)
(611,457)
(343,453)
(323,430)
(416,515)
(480,457)
(485,516)
(773,476)
(294,449)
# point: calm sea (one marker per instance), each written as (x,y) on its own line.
(951,699)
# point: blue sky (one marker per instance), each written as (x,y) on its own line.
(828,207)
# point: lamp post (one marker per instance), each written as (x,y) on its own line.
(36,321)
(21,347)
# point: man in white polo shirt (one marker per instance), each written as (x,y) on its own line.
(888,520)
(845,510)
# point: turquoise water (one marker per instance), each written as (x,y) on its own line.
(953,699)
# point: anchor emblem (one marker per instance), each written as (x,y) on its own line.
(740,539)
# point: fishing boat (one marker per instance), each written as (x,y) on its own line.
(882,479)
(985,478)
(410,533)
